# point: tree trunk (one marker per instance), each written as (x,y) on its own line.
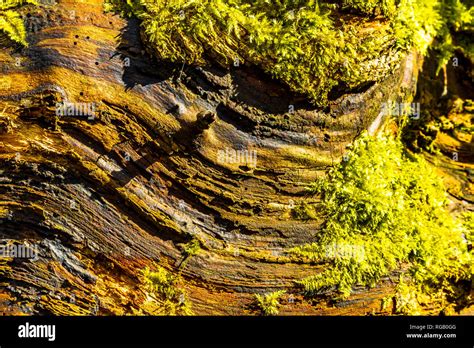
(126,185)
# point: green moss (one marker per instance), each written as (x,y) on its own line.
(269,303)
(192,248)
(304,212)
(456,30)
(305,43)
(468,222)
(168,291)
(386,208)
(371,7)
(10,22)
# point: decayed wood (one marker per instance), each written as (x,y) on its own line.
(103,198)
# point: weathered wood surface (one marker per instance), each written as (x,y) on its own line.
(103,198)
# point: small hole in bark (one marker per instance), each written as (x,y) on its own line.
(244,168)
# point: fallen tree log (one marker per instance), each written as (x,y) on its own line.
(130,179)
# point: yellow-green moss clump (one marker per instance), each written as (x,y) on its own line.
(310,45)
(10,22)
(167,291)
(386,209)
(269,303)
